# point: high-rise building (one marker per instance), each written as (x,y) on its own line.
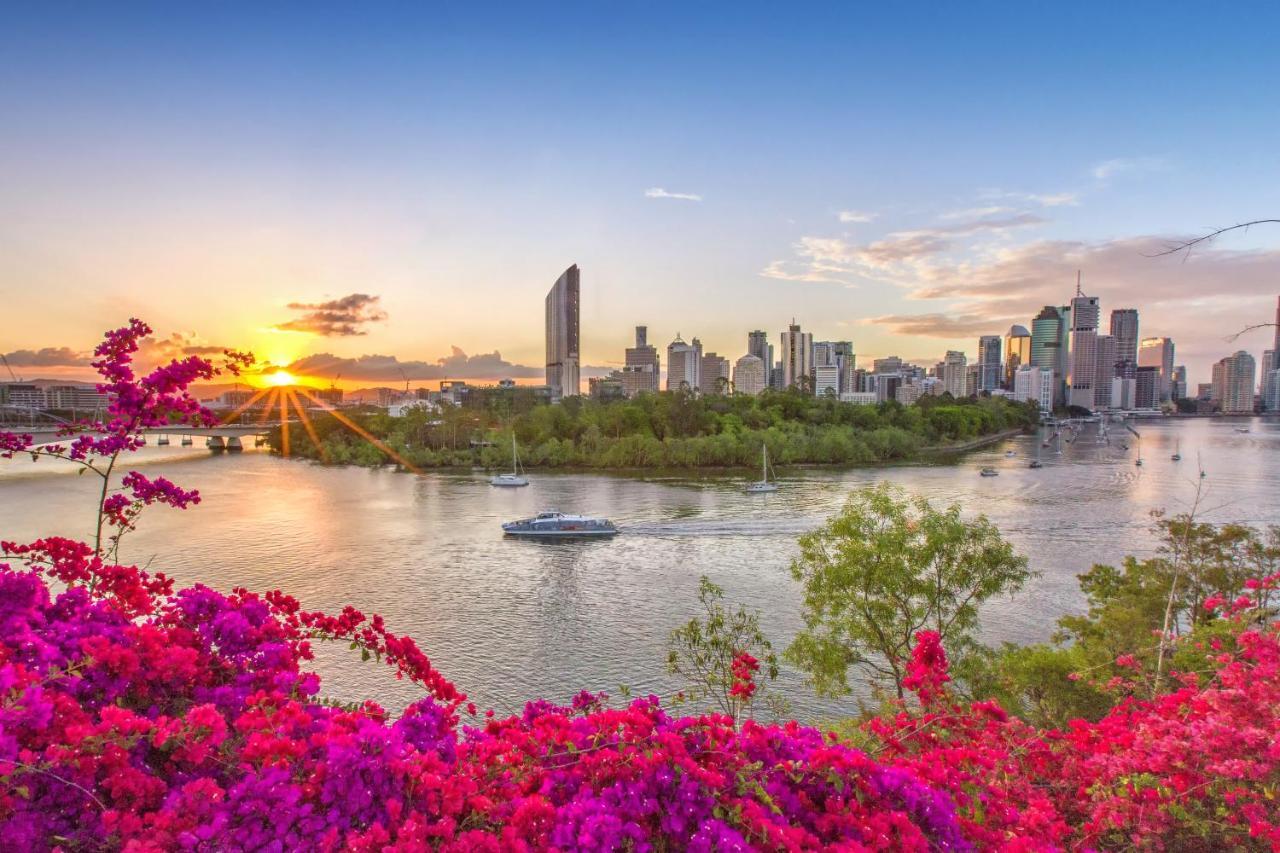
(837,354)
(988,363)
(1049,336)
(797,357)
(759,346)
(1017,352)
(1146,388)
(1233,383)
(1032,383)
(643,368)
(955,374)
(1124,328)
(713,374)
(888,364)
(1158,352)
(1269,363)
(1271,391)
(749,375)
(1179,389)
(684,364)
(1106,369)
(1276,345)
(562,336)
(1083,374)
(1124,391)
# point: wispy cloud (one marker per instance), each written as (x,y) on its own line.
(337,317)
(659,192)
(389,368)
(974,212)
(850,216)
(897,258)
(1108,169)
(938,325)
(1058,199)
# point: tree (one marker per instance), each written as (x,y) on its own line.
(715,655)
(884,568)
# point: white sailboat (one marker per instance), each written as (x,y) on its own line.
(763,485)
(515,478)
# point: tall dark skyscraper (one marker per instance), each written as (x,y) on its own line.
(1276,346)
(1124,328)
(563,370)
(1049,341)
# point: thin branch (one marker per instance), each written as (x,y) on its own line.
(1185,245)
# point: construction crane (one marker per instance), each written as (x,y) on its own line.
(14,376)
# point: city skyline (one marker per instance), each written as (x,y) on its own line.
(399,212)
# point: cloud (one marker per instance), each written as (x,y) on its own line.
(897,258)
(336,318)
(659,192)
(1108,169)
(949,326)
(389,368)
(47,357)
(973,212)
(1055,199)
(856,216)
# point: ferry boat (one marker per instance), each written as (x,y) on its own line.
(515,478)
(552,524)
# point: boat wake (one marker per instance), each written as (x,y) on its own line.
(722,527)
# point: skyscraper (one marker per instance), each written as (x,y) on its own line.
(1106,369)
(1017,353)
(1049,345)
(1124,328)
(643,367)
(1083,374)
(955,374)
(749,375)
(1158,352)
(988,363)
(684,364)
(562,335)
(712,371)
(797,357)
(1276,345)
(758,345)
(1178,390)
(1233,383)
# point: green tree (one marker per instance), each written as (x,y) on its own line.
(884,568)
(702,652)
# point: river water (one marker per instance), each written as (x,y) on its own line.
(511,620)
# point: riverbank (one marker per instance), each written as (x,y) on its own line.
(976,444)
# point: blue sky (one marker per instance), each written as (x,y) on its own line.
(206,167)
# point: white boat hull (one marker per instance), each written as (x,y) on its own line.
(761,488)
(562,534)
(508,481)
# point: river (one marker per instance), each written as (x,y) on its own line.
(511,620)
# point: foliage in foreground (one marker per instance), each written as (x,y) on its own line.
(136,716)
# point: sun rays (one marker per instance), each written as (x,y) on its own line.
(281,398)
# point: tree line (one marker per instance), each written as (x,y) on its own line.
(664,430)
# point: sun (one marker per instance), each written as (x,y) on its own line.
(280,378)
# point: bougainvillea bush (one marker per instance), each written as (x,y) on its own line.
(137,716)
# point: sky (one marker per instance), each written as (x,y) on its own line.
(388,190)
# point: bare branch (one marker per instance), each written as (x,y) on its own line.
(1185,245)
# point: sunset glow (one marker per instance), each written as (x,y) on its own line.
(280,378)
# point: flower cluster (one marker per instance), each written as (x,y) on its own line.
(744,668)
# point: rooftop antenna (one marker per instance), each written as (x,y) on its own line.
(1079,292)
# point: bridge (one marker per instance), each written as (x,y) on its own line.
(47,428)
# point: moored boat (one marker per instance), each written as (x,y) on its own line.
(762,486)
(515,478)
(989,472)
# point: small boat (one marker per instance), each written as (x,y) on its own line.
(1242,429)
(989,472)
(515,478)
(1177,453)
(1036,463)
(552,524)
(1138,462)
(1010,453)
(762,486)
